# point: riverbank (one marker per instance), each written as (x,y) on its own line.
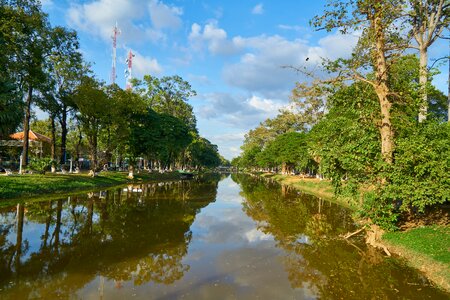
(34,185)
(425,248)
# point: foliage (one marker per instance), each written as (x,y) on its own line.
(380,211)
(158,136)
(10,107)
(202,152)
(420,175)
(345,142)
(40,164)
(91,101)
(169,95)
(288,149)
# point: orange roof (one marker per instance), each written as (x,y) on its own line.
(32,136)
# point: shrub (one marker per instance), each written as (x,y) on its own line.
(40,164)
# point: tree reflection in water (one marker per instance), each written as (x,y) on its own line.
(52,249)
(308,229)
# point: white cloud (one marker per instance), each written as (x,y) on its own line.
(164,16)
(234,151)
(239,110)
(213,37)
(229,137)
(144,65)
(258,9)
(265,105)
(337,45)
(98,18)
(260,68)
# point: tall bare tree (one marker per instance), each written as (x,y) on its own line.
(427,19)
(378,47)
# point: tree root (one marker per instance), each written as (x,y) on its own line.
(373,237)
(350,234)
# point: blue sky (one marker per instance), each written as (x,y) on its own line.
(230,51)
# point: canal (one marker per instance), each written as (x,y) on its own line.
(216,237)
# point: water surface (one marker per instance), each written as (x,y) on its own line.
(214,238)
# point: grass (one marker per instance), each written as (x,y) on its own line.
(425,248)
(30,185)
(432,241)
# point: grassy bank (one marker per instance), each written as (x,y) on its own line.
(426,249)
(31,185)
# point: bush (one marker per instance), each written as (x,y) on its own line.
(40,164)
(420,175)
(379,210)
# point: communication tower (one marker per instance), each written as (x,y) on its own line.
(116,32)
(128,74)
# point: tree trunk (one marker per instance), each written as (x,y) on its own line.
(385,128)
(108,153)
(382,91)
(131,171)
(93,152)
(423,79)
(53,149)
(63,122)
(80,138)
(26,128)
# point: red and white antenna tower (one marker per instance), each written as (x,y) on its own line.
(128,74)
(116,32)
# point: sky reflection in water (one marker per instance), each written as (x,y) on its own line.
(237,238)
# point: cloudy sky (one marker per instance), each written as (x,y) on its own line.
(232,52)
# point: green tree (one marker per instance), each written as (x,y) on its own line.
(92,104)
(11,106)
(116,126)
(427,20)
(65,68)
(174,139)
(169,95)
(377,49)
(24,32)
(202,152)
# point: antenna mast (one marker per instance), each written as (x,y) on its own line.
(116,32)
(128,74)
